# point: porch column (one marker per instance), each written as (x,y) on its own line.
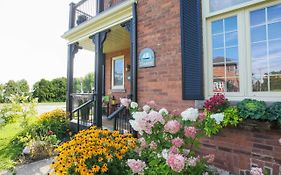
(134,54)
(131,26)
(98,40)
(72,50)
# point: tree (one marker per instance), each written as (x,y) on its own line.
(43,90)
(1,93)
(59,89)
(23,87)
(77,85)
(10,88)
(88,82)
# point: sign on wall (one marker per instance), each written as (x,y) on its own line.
(146,58)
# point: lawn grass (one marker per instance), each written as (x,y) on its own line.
(8,150)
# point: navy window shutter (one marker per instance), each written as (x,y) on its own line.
(192,49)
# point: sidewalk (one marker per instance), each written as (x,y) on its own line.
(36,168)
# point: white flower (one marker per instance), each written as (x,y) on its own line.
(146,108)
(26,150)
(163,111)
(256,171)
(141,115)
(134,105)
(190,114)
(125,101)
(218,117)
(192,161)
(165,154)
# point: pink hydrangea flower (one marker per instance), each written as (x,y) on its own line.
(152,103)
(256,171)
(176,112)
(142,142)
(176,162)
(190,132)
(209,158)
(173,150)
(137,166)
(279,141)
(155,117)
(177,142)
(125,102)
(153,145)
(201,116)
(172,126)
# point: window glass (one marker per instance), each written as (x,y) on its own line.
(266,49)
(118,72)
(216,5)
(225,55)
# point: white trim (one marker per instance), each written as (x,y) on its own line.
(244,48)
(122,87)
(105,20)
(232,8)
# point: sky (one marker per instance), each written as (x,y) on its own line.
(31,46)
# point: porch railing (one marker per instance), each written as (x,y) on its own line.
(83,116)
(121,120)
(87,9)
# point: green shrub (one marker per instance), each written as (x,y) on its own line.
(252,109)
(231,116)
(274,112)
(20,107)
(51,126)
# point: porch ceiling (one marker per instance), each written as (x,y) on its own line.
(117,39)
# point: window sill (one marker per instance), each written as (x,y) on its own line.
(118,90)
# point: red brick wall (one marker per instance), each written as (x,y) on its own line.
(159,29)
(236,149)
(108,73)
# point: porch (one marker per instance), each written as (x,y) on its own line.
(106,28)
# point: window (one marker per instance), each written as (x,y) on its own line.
(216,5)
(225,55)
(118,72)
(244,50)
(265,26)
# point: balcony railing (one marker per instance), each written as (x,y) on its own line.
(87,9)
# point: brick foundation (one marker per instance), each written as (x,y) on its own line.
(237,149)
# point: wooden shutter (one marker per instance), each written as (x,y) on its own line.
(192,49)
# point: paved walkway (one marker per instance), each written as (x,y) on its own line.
(41,167)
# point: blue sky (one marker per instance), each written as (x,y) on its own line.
(31,43)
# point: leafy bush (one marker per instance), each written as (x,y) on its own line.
(168,141)
(20,107)
(94,151)
(252,109)
(55,121)
(231,116)
(50,123)
(216,104)
(274,112)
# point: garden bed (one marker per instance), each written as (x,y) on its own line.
(251,143)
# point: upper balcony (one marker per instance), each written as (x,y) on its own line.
(86,10)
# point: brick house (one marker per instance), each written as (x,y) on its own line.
(200,48)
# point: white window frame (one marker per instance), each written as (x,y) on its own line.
(242,11)
(122,87)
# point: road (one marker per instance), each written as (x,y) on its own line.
(46,107)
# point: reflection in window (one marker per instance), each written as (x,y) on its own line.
(266,49)
(118,73)
(225,55)
(216,5)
